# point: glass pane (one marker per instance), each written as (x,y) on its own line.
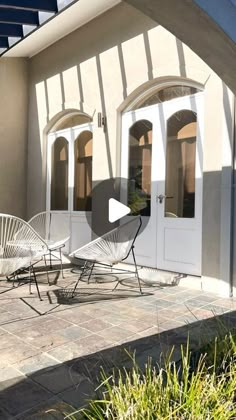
(180,165)
(140,159)
(83,172)
(167,94)
(59,172)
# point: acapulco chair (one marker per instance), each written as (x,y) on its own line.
(110,249)
(20,248)
(55,231)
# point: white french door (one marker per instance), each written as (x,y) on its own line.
(162,160)
(65,149)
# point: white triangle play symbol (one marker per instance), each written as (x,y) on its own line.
(117,210)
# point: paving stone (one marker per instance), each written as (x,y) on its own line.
(52,409)
(4,415)
(9,340)
(96,325)
(57,379)
(115,334)
(27,323)
(74,317)
(48,341)
(22,396)
(35,364)
(16,354)
(74,332)
(78,396)
(9,377)
(135,327)
(68,351)
(82,347)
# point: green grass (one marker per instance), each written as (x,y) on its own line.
(204,391)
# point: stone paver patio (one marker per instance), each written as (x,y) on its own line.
(52,351)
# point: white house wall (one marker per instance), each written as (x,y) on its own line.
(100,68)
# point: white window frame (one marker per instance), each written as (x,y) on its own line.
(71,135)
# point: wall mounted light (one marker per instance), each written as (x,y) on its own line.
(102,121)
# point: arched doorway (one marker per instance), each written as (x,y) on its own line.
(161,157)
(69,174)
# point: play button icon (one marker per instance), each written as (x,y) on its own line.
(110,201)
(117,210)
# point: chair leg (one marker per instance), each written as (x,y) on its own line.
(36,284)
(92,267)
(45,263)
(61,263)
(30,292)
(136,271)
(50,259)
(79,278)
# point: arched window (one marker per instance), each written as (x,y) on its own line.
(83,171)
(140,158)
(59,174)
(180,164)
(166,94)
(70,164)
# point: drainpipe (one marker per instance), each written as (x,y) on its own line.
(232,198)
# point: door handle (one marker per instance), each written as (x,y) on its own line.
(161,197)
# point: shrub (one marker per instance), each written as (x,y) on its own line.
(173,391)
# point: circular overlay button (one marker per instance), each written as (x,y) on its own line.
(115,202)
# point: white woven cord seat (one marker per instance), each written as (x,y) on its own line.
(20,245)
(109,250)
(54,230)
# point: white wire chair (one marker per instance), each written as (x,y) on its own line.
(20,245)
(54,229)
(109,250)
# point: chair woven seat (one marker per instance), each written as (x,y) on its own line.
(110,249)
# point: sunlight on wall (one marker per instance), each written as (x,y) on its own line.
(111,76)
(71,87)
(134,52)
(42,110)
(158,49)
(54,92)
(91,83)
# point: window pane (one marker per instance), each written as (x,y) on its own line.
(140,159)
(59,183)
(180,165)
(83,172)
(167,94)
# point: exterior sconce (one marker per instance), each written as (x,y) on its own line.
(102,121)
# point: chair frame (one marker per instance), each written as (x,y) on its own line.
(88,271)
(30,268)
(51,248)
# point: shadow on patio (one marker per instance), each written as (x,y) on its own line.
(52,353)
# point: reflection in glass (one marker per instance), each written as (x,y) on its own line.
(168,93)
(59,174)
(83,172)
(140,158)
(180,165)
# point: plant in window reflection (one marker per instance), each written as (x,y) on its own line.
(138,200)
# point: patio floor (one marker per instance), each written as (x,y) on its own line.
(52,351)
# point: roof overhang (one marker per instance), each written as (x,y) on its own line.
(27,27)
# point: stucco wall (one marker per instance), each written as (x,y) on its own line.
(13,135)
(101,67)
